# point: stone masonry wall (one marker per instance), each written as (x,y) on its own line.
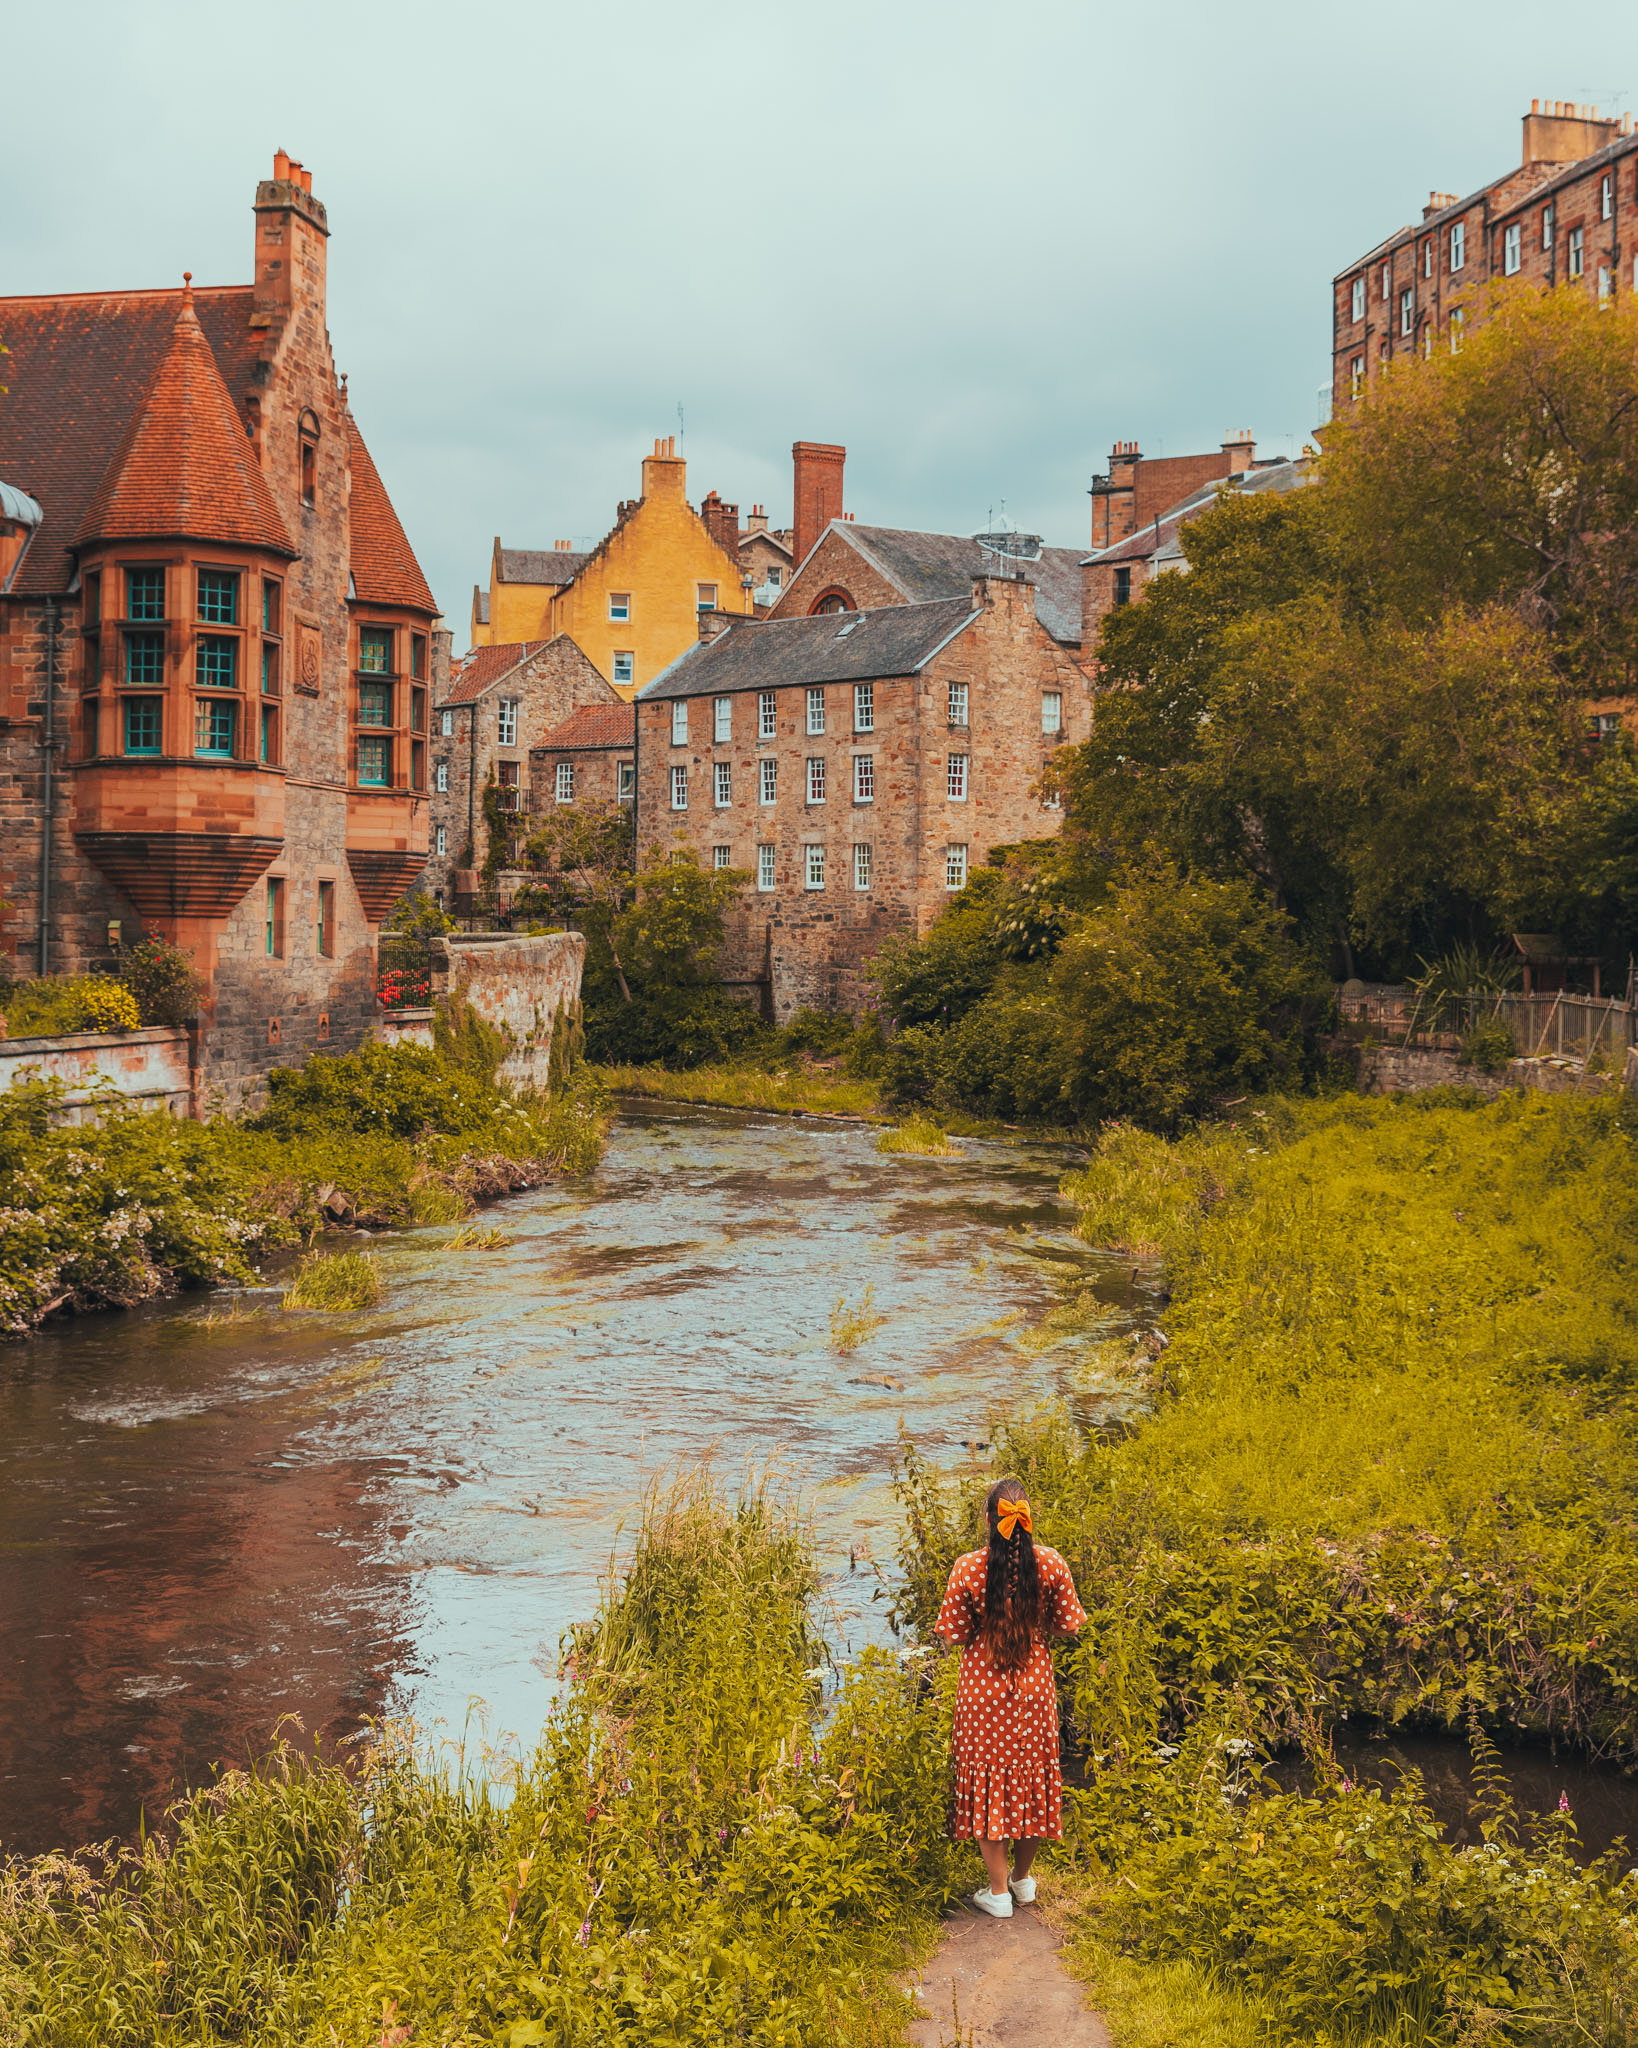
(835,564)
(151,1068)
(793,945)
(528,988)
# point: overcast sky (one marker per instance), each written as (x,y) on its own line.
(976,243)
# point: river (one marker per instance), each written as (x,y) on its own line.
(214,1515)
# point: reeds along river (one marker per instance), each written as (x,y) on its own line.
(213,1514)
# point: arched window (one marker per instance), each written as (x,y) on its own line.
(309,438)
(832,601)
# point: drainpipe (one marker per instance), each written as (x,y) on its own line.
(48,741)
(472,788)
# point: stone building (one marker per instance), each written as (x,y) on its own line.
(501,702)
(632,603)
(1561,216)
(1137,488)
(589,760)
(858,767)
(214,648)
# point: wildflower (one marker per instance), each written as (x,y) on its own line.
(722,1834)
(1347,1784)
(1564,1802)
(585,1933)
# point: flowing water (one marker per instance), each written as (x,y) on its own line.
(214,1515)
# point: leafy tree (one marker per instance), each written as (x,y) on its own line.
(583,855)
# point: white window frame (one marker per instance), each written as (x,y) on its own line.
(440,844)
(864,707)
(625,666)
(958,704)
(1606,285)
(564,782)
(1606,196)
(705,597)
(767,873)
(722,857)
(440,778)
(956,775)
(1052,711)
(1427,257)
(955,867)
(814,779)
(1356,303)
(864,778)
(767,715)
(619,607)
(767,780)
(1549,224)
(1387,282)
(1458,244)
(1458,326)
(625,782)
(679,721)
(816,711)
(679,787)
(1512,248)
(861,867)
(722,720)
(1407,311)
(1575,261)
(446,724)
(1356,376)
(506,722)
(813,865)
(722,785)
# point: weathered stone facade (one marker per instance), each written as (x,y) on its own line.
(528,989)
(590,760)
(501,702)
(241,646)
(955,729)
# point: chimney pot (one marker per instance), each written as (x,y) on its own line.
(281,163)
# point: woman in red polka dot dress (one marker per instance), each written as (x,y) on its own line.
(1002,1606)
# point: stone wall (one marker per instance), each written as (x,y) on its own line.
(152,1067)
(1410,1069)
(528,988)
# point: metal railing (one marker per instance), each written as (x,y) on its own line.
(1557,1025)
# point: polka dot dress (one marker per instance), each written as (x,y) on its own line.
(1008,1784)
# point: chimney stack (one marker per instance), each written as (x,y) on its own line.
(721,522)
(816,493)
(1238,450)
(291,231)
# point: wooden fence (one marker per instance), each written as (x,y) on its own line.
(1551,1026)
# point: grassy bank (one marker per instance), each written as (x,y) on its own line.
(1390,1476)
(139,1204)
(686,1859)
(814,1091)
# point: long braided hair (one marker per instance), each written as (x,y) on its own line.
(1012,1586)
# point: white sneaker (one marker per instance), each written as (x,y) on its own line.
(1023,1890)
(1000,1906)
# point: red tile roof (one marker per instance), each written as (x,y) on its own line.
(78,366)
(384,567)
(184,465)
(485,666)
(593,725)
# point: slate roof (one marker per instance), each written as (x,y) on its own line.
(540,565)
(480,605)
(486,666)
(834,647)
(592,726)
(1160,540)
(384,567)
(925,567)
(78,368)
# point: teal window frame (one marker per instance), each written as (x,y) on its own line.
(375,650)
(275,917)
(150,711)
(270,668)
(144,658)
(145,594)
(217,719)
(375,703)
(269,736)
(219,597)
(374,761)
(216,662)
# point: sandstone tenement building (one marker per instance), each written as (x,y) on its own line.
(590,760)
(858,766)
(1136,488)
(214,648)
(501,702)
(1564,216)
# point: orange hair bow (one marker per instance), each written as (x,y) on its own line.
(1010,1515)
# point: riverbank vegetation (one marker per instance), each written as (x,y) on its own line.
(687,1858)
(136,1204)
(797,1087)
(1389,1479)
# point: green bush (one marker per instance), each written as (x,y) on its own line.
(1489,1047)
(163,980)
(402,1089)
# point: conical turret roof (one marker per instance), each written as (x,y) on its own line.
(184,466)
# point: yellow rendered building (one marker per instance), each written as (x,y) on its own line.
(632,604)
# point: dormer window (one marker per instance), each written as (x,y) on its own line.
(308,437)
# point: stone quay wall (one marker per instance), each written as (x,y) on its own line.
(156,1068)
(526,987)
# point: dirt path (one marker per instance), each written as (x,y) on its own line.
(1004,1982)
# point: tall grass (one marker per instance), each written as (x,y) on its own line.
(851,1323)
(919,1136)
(687,1858)
(789,1089)
(335,1280)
